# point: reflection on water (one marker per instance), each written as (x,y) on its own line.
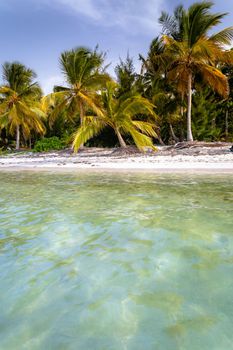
(116,261)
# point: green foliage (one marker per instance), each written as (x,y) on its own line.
(3,151)
(20,95)
(122,115)
(126,75)
(204,116)
(84,73)
(20,79)
(190,50)
(48,144)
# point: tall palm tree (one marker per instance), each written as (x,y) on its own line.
(84,75)
(19,101)
(121,115)
(161,91)
(192,50)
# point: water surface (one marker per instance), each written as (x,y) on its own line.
(116,262)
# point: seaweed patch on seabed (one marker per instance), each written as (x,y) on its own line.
(200,257)
(196,324)
(168,302)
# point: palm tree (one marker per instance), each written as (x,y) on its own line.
(161,91)
(82,69)
(19,102)
(126,76)
(121,114)
(191,50)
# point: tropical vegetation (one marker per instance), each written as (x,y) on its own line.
(20,110)
(184,92)
(122,115)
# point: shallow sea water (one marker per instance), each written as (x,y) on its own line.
(116,262)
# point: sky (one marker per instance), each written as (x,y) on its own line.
(35,32)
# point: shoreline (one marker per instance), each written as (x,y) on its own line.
(166,160)
(158,171)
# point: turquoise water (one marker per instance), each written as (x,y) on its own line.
(111,262)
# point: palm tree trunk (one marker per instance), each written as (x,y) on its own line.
(182,105)
(182,117)
(189,121)
(17,137)
(160,140)
(175,138)
(226,125)
(120,138)
(81,109)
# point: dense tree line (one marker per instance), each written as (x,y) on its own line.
(183,92)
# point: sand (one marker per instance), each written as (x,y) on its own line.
(195,158)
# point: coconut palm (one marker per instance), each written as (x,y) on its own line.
(19,102)
(84,75)
(121,114)
(192,50)
(126,76)
(161,91)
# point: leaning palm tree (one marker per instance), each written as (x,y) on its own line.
(121,114)
(84,75)
(191,50)
(19,102)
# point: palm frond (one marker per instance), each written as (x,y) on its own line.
(91,126)
(59,108)
(17,76)
(4,120)
(47,102)
(171,25)
(90,102)
(6,90)
(140,140)
(206,50)
(59,88)
(216,79)
(199,20)
(145,127)
(224,37)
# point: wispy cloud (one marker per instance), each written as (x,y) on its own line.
(131,15)
(84,7)
(48,83)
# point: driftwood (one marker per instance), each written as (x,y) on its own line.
(196,148)
(124,151)
(194,144)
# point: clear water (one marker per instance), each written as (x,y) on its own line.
(111,262)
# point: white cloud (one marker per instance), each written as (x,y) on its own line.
(48,83)
(85,7)
(132,15)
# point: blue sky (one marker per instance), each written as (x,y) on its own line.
(35,32)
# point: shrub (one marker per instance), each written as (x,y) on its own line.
(47,144)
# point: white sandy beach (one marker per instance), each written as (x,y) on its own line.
(217,159)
